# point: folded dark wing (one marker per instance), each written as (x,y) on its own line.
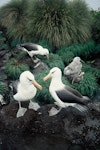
(67,96)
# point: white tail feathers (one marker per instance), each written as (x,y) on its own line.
(81,108)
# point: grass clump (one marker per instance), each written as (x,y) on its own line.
(13,69)
(3,88)
(88,86)
(66,55)
(54,61)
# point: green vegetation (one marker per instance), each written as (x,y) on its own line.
(66,28)
(58,22)
(13,69)
(88,68)
(88,86)
(54,61)
(83,50)
(96,26)
(3,87)
(66,55)
(14,17)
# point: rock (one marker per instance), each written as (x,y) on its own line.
(70,124)
(2,53)
(42,66)
(96,97)
(2,100)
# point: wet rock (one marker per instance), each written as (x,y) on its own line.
(69,123)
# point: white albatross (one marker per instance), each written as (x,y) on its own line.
(64,95)
(33,50)
(26,91)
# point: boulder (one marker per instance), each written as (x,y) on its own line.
(69,124)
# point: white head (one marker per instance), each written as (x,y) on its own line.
(76,59)
(27,78)
(54,73)
(45,52)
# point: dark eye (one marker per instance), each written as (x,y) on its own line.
(53,72)
(29,79)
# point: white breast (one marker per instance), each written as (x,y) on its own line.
(25,93)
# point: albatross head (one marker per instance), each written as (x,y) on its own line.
(54,73)
(27,78)
(77,59)
(45,52)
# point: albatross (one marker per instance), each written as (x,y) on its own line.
(64,95)
(26,91)
(33,50)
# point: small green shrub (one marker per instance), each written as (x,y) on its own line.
(15,42)
(88,68)
(84,49)
(66,55)
(88,86)
(19,55)
(13,69)
(3,87)
(54,61)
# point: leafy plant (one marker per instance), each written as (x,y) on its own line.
(3,87)
(88,86)
(77,49)
(88,68)
(84,49)
(14,17)
(66,55)
(59,22)
(96,25)
(13,69)
(54,61)
(15,42)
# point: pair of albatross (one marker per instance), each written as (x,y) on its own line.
(63,95)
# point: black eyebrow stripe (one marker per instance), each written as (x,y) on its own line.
(29,79)
(53,71)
